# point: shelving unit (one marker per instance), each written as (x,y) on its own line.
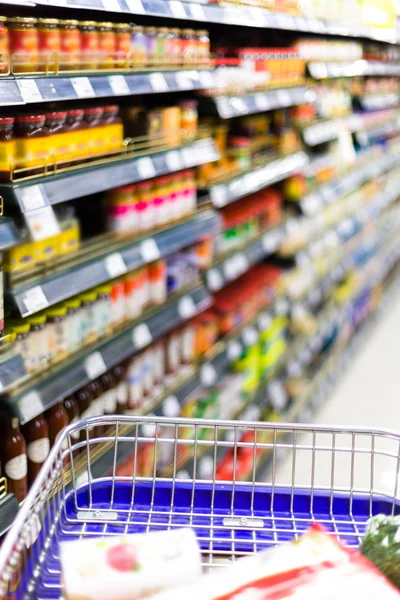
(341,256)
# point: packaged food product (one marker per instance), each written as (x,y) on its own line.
(107,45)
(14,459)
(113,129)
(57,332)
(70,45)
(36,434)
(158,282)
(124,567)
(108,382)
(119,373)
(89,38)
(74,326)
(123,34)
(7,147)
(24,44)
(31,141)
(188,120)
(94,120)
(39,341)
(139,47)
(4,47)
(58,141)
(49,44)
(57,420)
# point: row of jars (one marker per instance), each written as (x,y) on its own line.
(126,388)
(153,203)
(52,335)
(29,45)
(35,140)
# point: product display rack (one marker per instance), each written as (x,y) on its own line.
(312,357)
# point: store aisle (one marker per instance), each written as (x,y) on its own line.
(367,395)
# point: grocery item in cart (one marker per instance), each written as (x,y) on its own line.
(130,566)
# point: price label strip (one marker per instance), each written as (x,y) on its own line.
(115,265)
(34,300)
(42,223)
(31,197)
(29,90)
(146,168)
(119,85)
(30,405)
(186,307)
(83,88)
(141,336)
(95,365)
(149,250)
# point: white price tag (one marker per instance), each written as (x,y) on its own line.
(141,336)
(206,79)
(135,6)
(145,168)
(42,223)
(284,98)
(35,300)
(241,264)
(250,336)
(115,265)
(31,197)
(270,242)
(171,407)
(208,375)
(174,160)
(29,90)
(197,12)
(229,269)
(149,250)
(112,5)
(186,307)
(233,350)
(82,86)
(119,85)
(158,82)
(95,365)
(190,156)
(184,80)
(265,321)
(214,280)
(262,102)
(177,10)
(30,406)
(219,195)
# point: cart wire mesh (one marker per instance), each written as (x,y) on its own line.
(221,478)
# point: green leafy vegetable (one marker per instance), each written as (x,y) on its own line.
(381,545)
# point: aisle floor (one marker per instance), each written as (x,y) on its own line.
(368,395)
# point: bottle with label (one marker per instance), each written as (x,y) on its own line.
(122,388)
(110,393)
(84,400)
(96,390)
(24,44)
(36,433)
(14,460)
(77,131)
(113,132)
(70,45)
(58,139)
(49,44)
(72,409)
(31,142)
(57,420)
(7,147)
(94,121)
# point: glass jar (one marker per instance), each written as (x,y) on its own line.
(161,51)
(24,44)
(58,150)
(188,45)
(4,47)
(139,47)
(94,121)
(239,150)
(103,310)
(77,129)
(150,34)
(57,332)
(188,121)
(106,39)
(7,147)
(88,301)
(89,46)
(49,44)
(74,325)
(123,35)
(22,343)
(113,131)
(174,47)
(70,45)
(31,142)
(39,341)
(121,212)
(202,48)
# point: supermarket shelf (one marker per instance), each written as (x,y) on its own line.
(8,511)
(230,15)
(51,88)
(45,191)
(330,192)
(44,292)
(328,70)
(373,135)
(276,170)
(326,131)
(228,107)
(39,395)
(12,371)
(9,234)
(230,268)
(370,102)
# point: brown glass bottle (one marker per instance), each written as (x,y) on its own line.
(57,420)
(72,410)
(84,399)
(110,393)
(14,460)
(36,434)
(7,147)
(96,390)
(122,389)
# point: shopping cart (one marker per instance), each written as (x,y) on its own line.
(339,477)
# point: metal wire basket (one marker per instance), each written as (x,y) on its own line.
(219,477)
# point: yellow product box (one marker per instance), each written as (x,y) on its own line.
(69,240)
(48,248)
(20,258)
(249,366)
